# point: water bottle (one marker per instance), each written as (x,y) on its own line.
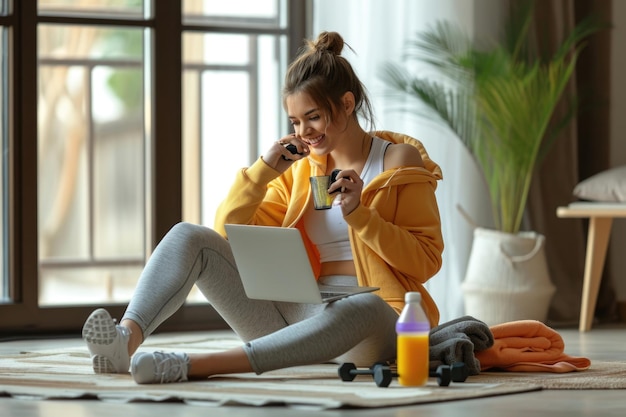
(412,329)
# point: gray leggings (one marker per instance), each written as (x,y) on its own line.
(359,329)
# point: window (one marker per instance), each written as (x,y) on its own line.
(92,171)
(226,75)
(129,116)
(4,157)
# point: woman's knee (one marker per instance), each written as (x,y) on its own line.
(365,306)
(366,300)
(189,230)
(194,234)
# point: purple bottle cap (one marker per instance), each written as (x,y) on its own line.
(414,327)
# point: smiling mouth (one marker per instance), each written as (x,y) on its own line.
(314,141)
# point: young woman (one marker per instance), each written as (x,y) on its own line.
(383,232)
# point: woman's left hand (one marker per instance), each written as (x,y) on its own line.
(350,185)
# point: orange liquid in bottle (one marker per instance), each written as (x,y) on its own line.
(413,350)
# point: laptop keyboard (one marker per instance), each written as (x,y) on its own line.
(326,294)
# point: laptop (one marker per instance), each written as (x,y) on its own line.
(274,265)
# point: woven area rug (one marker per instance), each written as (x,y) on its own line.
(601,375)
(67,374)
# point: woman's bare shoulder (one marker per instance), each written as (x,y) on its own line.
(402,155)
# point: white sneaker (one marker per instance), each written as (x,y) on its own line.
(159,367)
(107,342)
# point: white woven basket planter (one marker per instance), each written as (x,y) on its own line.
(507,277)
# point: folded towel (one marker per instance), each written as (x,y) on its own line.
(456,340)
(528,346)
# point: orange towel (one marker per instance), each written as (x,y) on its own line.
(528,346)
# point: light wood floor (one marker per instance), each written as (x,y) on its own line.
(601,343)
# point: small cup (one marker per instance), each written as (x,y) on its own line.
(319,186)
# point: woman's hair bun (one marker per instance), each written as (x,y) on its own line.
(329,42)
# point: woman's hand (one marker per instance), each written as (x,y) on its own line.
(280,158)
(350,185)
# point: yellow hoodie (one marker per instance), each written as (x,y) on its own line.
(395,232)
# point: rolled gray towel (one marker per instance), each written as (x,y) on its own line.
(477,331)
(457,340)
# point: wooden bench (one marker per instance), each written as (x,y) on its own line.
(600,217)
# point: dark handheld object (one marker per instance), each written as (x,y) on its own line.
(293,149)
(333,178)
(383,374)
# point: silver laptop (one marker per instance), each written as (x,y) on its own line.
(274,265)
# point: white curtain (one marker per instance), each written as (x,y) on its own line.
(378,31)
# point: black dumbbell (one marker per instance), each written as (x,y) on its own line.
(442,373)
(456,372)
(459,372)
(382,374)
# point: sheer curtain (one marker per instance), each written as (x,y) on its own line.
(378,31)
(581,150)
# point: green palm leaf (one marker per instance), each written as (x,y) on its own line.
(497,99)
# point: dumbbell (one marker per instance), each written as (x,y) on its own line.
(381,373)
(456,372)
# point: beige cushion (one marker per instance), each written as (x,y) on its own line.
(609,185)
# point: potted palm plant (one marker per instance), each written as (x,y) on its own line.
(499,99)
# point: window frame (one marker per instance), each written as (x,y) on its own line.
(23,314)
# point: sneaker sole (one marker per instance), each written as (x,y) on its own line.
(99,329)
(102,365)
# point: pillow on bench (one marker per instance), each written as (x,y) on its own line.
(607,186)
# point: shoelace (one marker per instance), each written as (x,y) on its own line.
(169,367)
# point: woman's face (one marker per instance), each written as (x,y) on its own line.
(311,123)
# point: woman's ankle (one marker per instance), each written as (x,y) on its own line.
(136,335)
(232,361)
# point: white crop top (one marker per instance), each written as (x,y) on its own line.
(327,228)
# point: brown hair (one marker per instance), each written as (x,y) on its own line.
(325,75)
